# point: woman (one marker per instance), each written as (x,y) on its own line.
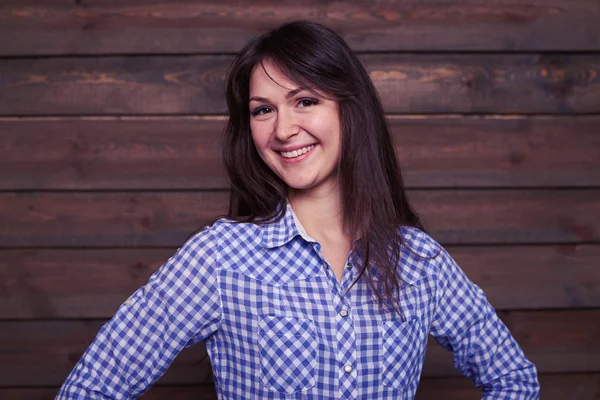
(321,282)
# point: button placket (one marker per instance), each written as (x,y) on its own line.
(346,336)
(348,276)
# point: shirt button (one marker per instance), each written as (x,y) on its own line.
(343,313)
(348,368)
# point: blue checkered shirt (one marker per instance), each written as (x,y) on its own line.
(277,324)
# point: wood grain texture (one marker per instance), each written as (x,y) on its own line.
(88,283)
(555,341)
(152,26)
(530,277)
(111,115)
(554,387)
(492,151)
(510,216)
(105,219)
(163,153)
(92,283)
(41,353)
(407,83)
(112,153)
(125,219)
(113,85)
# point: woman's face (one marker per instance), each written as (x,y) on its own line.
(297,132)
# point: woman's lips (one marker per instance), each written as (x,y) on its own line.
(296,155)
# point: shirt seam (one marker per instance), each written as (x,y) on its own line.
(217,239)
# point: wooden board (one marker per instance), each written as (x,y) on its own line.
(555,341)
(151,26)
(41,353)
(105,219)
(510,216)
(407,83)
(162,153)
(125,219)
(92,283)
(112,153)
(554,387)
(88,283)
(530,277)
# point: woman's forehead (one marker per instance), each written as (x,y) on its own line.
(267,74)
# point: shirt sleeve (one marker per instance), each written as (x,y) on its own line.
(484,349)
(178,306)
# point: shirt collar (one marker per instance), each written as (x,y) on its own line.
(280,232)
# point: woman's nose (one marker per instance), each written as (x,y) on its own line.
(285,127)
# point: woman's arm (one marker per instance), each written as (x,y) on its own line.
(484,349)
(179,306)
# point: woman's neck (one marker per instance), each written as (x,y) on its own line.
(321,214)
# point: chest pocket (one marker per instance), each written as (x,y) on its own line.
(288,351)
(402,352)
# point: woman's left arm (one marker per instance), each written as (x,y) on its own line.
(484,349)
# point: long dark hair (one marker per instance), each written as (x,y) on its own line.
(374,200)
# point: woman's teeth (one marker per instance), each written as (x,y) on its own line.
(296,153)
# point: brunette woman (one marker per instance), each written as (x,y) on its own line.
(321,282)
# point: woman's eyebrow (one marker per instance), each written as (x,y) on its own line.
(261,99)
(291,93)
(294,92)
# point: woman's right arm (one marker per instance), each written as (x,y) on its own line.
(179,306)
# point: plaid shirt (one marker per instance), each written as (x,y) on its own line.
(277,324)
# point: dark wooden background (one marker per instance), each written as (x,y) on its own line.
(110,118)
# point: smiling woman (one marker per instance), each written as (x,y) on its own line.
(296,132)
(321,283)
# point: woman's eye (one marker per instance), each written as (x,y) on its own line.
(307,102)
(261,111)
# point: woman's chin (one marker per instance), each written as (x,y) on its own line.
(311,186)
(296,186)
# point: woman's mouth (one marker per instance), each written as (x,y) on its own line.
(296,153)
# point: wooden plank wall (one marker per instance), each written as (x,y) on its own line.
(110,118)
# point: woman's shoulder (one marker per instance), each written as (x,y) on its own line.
(417,241)
(420,255)
(226,233)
